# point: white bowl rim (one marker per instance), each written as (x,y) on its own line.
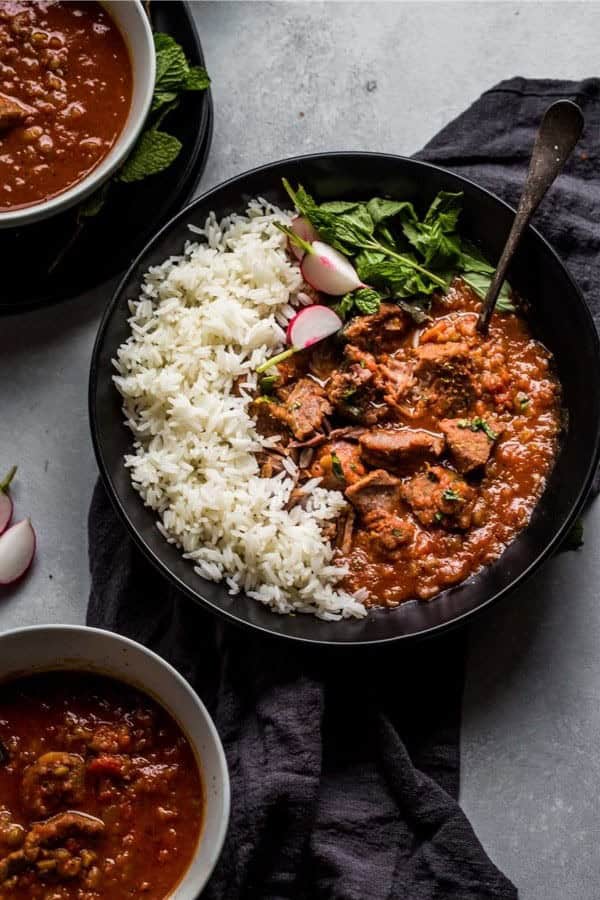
(37,212)
(129,642)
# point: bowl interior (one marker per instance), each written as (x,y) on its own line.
(559,318)
(133,24)
(38,649)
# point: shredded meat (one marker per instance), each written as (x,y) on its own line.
(376,492)
(270,417)
(382,331)
(306,406)
(13,112)
(470,448)
(388,532)
(397,448)
(440,496)
(54,780)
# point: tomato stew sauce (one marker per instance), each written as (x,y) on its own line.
(65,93)
(100,792)
(440,439)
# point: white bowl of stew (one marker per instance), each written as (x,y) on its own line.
(76,85)
(112,776)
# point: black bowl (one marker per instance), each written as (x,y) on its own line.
(559,318)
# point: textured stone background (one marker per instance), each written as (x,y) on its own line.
(300,77)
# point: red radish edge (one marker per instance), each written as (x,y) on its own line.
(312,324)
(6,511)
(329,271)
(17,549)
(302,227)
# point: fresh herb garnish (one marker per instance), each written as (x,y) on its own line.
(523,400)
(268,382)
(478,424)
(398,254)
(397,532)
(451,495)
(438,517)
(336,467)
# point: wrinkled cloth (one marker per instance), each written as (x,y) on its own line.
(345,763)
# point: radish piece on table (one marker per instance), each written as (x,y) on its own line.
(328,270)
(304,230)
(312,324)
(17,547)
(6,504)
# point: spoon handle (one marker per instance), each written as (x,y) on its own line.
(559,131)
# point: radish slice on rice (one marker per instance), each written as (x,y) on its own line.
(304,230)
(312,324)
(17,548)
(328,270)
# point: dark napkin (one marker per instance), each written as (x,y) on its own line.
(345,763)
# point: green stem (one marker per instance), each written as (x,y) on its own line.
(276,359)
(4,485)
(295,238)
(381,248)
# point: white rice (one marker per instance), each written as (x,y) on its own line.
(203,320)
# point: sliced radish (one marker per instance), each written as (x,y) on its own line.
(328,270)
(17,548)
(312,324)
(6,511)
(302,227)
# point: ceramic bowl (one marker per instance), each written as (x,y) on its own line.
(26,651)
(132,21)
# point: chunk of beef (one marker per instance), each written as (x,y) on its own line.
(440,496)
(271,463)
(433,358)
(324,359)
(339,464)
(375,493)
(55,779)
(399,448)
(13,113)
(306,405)
(270,417)
(355,390)
(383,331)
(398,379)
(388,532)
(445,381)
(470,445)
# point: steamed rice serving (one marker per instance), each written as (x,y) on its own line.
(202,324)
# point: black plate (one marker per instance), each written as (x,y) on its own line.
(560,318)
(109,242)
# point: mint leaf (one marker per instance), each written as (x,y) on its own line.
(197,79)
(161,98)
(367,301)
(345,305)
(92,205)
(380,210)
(154,151)
(171,65)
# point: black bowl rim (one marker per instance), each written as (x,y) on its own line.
(230,616)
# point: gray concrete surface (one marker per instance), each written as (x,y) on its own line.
(300,77)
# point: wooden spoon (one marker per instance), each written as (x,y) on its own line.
(558,133)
